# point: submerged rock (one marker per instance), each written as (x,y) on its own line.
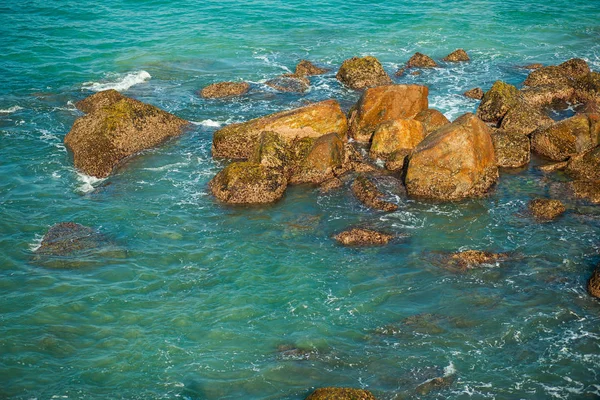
(68,238)
(454,162)
(432,120)
(289,83)
(470,259)
(434,384)
(553,167)
(336,393)
(224,89)
(475,93)
(567,138)
(363,237)
(369,195)
(497,101)
(306,68)
(237,141)
(512,149)
(457,56)
(330,184)
(565,73)
(248,183)
(401,135)
(385,103)
(116,128)
(361,73)
(593,285)
(420,60)
(546,209)
(533,66)
(524,119)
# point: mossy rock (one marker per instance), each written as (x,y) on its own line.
(224,89)
(362,72)
(565,73)
(585,166)
(497,101)
(566,138)
(513,150)
(271,151)
(524,119)
(319,163)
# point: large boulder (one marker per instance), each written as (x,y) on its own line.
(524,119)
(546,209)
(248,183)
(306,68)
(363,237)
(325,156)
(361,73)
(587,88)
(565,73)
(586,190)
(400,135)
(99,100)
(512,149)
(368,194)
(289,83)
(593,285)
(271,151)
(237,141)
(548,95)
(567,138)
(497,101)
(585,166)
(385,103)
(432,120)
(224,89)
(114,130)
(337,393)
(420,60)
(457,56)
(454,162)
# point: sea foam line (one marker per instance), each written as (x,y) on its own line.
(123,83)
(10,110)
(89,183)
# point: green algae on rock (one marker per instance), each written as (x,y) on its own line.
(325,156)
(497,101)
(362,72)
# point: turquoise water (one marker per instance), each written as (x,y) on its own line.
(195,300)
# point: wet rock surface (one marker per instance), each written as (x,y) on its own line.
(361,73)
(363,237)
(512,149)
(289,83)
(497,101)
(224,89)
(475,93)
(368,194)
(546,209)
(457,55)
(593,285)
(69,238)
(337,393)
(307,68)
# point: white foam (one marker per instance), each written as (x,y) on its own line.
(36,244)
(122,82)
(209,123)
(10,110)
(88,183)
(450,369)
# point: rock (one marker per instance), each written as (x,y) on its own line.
(588,88)
(271,151)
(593,285)
(524,119)
(567,138)
(420,60)
(565,73)
(361,73)
(289,83)
(512,149)
(586,190)
(224,89)
(330,184)
(396,161)
(400,72)
(109,134)
(99,100)
(457,56)
(497,101)
(546,209)
(542,96)
(69,238)
(475,93)
(432,120)
(470,259)
(533,66)
(434,384)
(553,167)
(335,393)
(369,195)
(385,103)
(585,166)
(248,183)
(325,156)
(362,237)
(306,68)
(590,107)
(416,73)
(393,136)
(237,141)
(454,162)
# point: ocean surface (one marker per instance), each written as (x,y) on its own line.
(197,300)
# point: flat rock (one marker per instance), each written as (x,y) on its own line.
(224,89)
(385,103)
(336,393)
(455,162)
(369,195)
(363,237)
(470,259)
(400,135)
(307,68)
(420,60)
(289,83)
(512,149)
(497,101)
(475,93)
(457,55)
(361,73)
(546,209)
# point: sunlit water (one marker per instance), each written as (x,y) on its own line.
(196,300)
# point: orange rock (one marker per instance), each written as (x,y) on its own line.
(238,140)
(397,135)
(224,89)
(432,119)
(325,155)
(455,162)
(360,73)
(385,103)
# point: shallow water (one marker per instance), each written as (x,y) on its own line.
(194,299)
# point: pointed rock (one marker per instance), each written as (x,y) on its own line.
(306,68)
(457,56)
(420,60)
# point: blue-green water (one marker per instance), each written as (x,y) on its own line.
(195,299)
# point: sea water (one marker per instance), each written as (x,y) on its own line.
(198,300)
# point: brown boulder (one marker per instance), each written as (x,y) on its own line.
(325,156)
(457,56)
(512,149)
(271,151)
(289,83)
(330,184)
(306,68)
(396,161)
(497,101)
(432,119)
(567,138)
(420,60)
(524,119)
(398,135)
(454,162)
(471,259)
(546,209)
(224,89)
(109,134)
(385,103)
(248,183)
(238,140)
(533,66)
(593,285)
(541,96)
(361,73)
(588,88)
(475,93)
(99,100)
(553,167)
(369,195)
(585,166)
(565,73)
(363,237)
(335,393)
(586,190)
